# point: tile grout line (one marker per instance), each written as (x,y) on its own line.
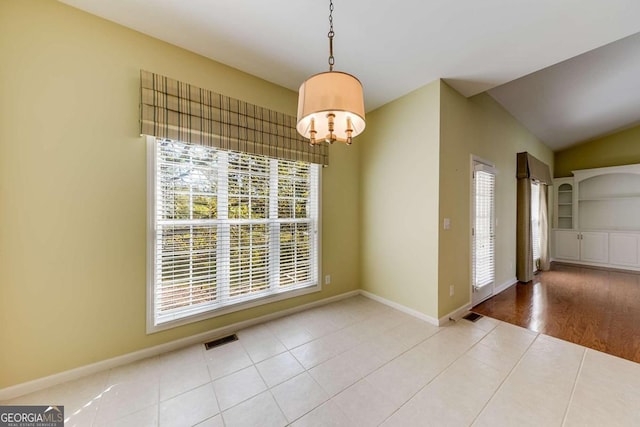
(361,377)
(505,378)
(215,395)
(573,390)
(211,381)
(287,350)
(439,373)
(307,371)
(330,397)
(269,389)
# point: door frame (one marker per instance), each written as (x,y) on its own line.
(472,208)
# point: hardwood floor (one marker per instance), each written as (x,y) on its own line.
(599,309)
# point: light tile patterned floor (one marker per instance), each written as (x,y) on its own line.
(359,363)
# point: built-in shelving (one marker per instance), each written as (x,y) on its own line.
(597,217)
(563,211)
(608,198)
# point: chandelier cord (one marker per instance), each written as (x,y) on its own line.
(332,60)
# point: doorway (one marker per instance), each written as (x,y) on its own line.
(483,231)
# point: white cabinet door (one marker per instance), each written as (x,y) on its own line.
(623,249)
(594,246)
(566,244)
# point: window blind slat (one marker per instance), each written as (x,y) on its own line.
(535,222)
(220,234)
(484,232)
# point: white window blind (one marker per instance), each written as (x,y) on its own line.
(484,232)
(535,223)
(229,227)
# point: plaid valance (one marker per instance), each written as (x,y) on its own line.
(179,111)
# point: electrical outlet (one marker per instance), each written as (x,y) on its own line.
(327,279)
(452,290)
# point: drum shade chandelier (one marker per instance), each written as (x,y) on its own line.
(330,104)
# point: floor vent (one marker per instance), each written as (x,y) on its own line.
(220,341)
(473,317)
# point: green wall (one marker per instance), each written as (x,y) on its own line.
(73,188)
(621,148)
(477,126)
(399,200)
(416,171)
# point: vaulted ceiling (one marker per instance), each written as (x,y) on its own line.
(396,47)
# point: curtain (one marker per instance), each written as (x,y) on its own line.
(524,248)
(528,169)
(179,111)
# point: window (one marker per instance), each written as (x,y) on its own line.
(227,228)
(483,251)
(535,223)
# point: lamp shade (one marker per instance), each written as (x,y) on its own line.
(331,92)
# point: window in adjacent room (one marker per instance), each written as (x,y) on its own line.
(227,230)
(535,224)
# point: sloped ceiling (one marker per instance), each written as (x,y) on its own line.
(396,47)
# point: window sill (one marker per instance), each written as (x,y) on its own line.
(244,305)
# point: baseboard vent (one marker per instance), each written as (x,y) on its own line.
(220,341)
(472,317)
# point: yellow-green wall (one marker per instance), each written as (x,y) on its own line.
(73,188)
(415,172)
(477,126)
(621,148)
(399,200)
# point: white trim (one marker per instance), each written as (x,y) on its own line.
(582,174)
(400,307)
(505,285)
(82,371)
(210,312)
(151,226)
(486,162)
(244,305)
(615,267)
(480,164)
(319,269)
(462,310)
(455,314)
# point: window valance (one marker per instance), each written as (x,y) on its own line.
(532,168)
(179,111)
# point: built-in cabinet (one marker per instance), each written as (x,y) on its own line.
(589,246)
(597,217)
(624,249)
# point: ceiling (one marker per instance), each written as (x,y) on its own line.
(396,47)
(581,98)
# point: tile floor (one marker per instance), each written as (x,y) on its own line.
(359,363)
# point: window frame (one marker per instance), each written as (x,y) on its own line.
(534,217)
(151,326)
(483,167)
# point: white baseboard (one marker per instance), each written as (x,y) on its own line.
(504,286)
(400,307)
(82,371)
(460,311)
(455,314)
